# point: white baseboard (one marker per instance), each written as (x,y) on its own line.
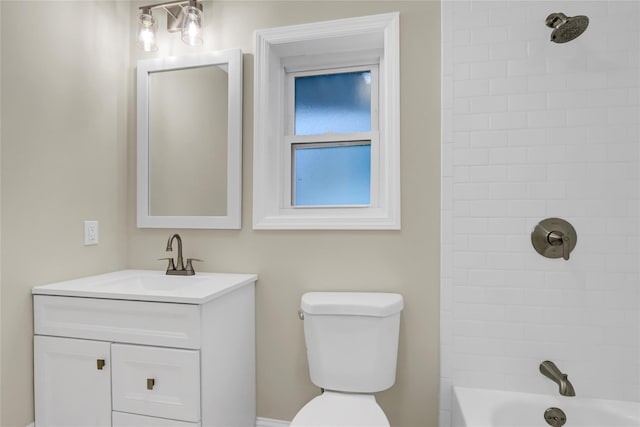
(260,422)
(268,422)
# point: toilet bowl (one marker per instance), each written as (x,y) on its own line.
(336,409)
(352,348)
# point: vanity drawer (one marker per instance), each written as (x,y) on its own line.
(138,322)
(120,419)
(155,381)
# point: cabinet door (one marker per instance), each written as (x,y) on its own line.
(72,382)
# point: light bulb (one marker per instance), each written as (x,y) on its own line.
(192,27)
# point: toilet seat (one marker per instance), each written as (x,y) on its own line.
(341,409)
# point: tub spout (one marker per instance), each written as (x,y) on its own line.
(551,371)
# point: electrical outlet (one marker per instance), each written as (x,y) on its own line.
(90,233)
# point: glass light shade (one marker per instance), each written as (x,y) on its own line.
(192,27)
(147,30)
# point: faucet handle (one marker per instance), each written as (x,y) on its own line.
(557,238)
(171,265)
(189,267)
(554,238)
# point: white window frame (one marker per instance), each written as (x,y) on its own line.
(286,51)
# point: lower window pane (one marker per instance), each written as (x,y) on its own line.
(332,175)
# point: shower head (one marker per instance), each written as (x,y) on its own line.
(566,28)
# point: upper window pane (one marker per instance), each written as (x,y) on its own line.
(333,103)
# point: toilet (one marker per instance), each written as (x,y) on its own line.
(352,349)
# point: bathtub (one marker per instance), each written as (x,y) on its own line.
(474,407)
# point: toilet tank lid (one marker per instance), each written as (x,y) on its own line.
(378,304)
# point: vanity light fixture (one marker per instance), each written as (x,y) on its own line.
(182,15)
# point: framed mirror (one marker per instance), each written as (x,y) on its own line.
(189,165)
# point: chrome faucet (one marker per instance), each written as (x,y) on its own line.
(551,371)
(178,269)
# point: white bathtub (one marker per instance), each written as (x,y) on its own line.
(474,407)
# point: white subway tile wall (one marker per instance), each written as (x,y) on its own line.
(534,129)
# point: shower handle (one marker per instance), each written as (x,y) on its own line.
(557,238)
(554,238)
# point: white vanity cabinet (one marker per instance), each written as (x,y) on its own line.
(153,360)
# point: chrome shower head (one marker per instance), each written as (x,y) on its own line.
(566,28)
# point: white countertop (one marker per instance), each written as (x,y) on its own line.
(149,285)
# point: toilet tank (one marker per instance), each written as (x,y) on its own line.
(352,339)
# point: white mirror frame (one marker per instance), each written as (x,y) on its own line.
(232,220)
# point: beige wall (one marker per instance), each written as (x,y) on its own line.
(292,262)
(68,154)
(63,161)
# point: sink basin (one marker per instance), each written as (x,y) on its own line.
(148,285)
(151,283)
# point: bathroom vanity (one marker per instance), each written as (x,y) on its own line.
(139,348)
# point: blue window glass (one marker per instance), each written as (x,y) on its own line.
(333,103)
(332,175)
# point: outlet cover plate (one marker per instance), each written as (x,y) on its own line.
(90,233)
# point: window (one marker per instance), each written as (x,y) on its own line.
(332,123)
(326,142)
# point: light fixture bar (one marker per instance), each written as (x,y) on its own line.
(164,4)
(174,12)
